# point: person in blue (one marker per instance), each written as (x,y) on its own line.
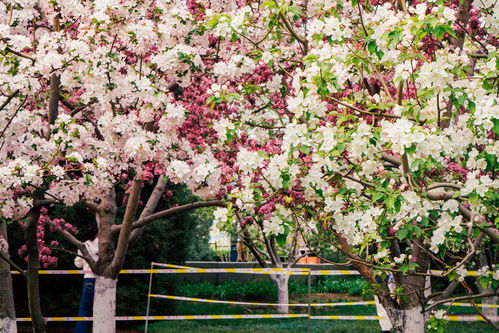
(87,294)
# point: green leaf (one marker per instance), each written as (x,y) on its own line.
(415,164)
(397,204)
(269,4)
(210,99)
(310,57)
(371,47)
(402,233)
(304,149)
(262,154)
(496,126)
(473,197)
(88,181)
(390,202)
(295,10)
(377,196)
(411,150)
(281,238)
(285,180)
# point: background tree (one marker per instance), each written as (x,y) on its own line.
(270,247)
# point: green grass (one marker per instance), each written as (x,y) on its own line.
(324,290)
(292,325)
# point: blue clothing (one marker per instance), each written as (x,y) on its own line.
(86,304)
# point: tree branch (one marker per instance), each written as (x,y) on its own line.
(490,231)
(293,33)
(354,108)
(150,206)
(9,98)
(19,54)
(438,185)
(459,298)
(171,211)
(391,159)
(55,81)
(251,246)
(13,116)
(93,206)
(126,226)
(13,264)
(71,239)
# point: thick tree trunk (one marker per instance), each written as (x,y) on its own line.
(281,282)
(104,311)
(7,309)
(407,320)
(489,312)
(32,274)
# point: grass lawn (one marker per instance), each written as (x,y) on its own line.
(292,325)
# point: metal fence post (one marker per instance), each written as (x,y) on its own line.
(309,301)
(148,298)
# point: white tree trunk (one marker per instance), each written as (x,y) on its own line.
(7,309)
(281,282)
(407,320)
(8,325)
(490,312)
(104,305)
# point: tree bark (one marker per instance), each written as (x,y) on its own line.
(409,320)
(30,237)
(151,205)
(281,281)
(105,218)
(406,315)
(7,308)
(104,311)
(111,257)
(55,81)
(126,229)
(489,312)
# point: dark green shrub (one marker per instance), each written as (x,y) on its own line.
(356,286)
(198,290)
(259,290)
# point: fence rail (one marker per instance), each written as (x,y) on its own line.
(177,269)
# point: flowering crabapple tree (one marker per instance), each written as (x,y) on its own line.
(92,99)
(373,123)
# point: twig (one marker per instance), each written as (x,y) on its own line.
(7,101)
(13,264)
(293,33)
(354,108)
(13,116)
(19,54)
(459,298)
